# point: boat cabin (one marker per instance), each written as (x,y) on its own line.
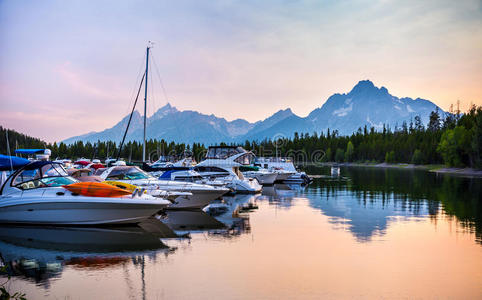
(125,173)
(38,174)
(235,153)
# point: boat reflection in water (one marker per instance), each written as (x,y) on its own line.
(281,195)
(41,253)
(236,217)
(185,221)
(230,218)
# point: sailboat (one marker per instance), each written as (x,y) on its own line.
(200,194)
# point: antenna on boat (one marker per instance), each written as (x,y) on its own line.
(8,151)
(149,46)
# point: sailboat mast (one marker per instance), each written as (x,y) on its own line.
(145,107)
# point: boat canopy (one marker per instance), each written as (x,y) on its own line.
(127,173)
(12,162)
(38,174)
(32,151)
(97,166)
(82,163)
(40,163)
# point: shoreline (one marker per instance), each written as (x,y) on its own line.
(438,169)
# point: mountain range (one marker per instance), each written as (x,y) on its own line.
(365,105)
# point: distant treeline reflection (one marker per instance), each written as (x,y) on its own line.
(413,191)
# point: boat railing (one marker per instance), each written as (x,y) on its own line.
(274,159)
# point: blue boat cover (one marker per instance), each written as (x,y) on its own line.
(9,162)
(30,151)
(40,163)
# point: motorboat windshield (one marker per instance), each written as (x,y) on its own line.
(128,173)
(221,152)
(41,174)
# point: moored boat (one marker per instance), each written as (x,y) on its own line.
(285,169)
(201,194)
(35,194)
(223,163)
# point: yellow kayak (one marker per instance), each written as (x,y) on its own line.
(122,185)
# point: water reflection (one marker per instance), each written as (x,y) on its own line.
(294,239)
(41,253)
(366,200)
(281,195)
(190,220)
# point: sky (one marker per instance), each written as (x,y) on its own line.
(71,67)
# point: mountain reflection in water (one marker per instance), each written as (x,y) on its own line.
(366,200)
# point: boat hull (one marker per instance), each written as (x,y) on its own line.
(246,186)
(201,195)
(90,212)
(263,178)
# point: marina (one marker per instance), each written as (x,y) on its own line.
(240,150)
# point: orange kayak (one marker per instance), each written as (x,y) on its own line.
(96,189)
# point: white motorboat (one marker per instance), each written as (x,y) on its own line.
(263,176)
(282,175)
(35,194)
(182,170)
(285,169)
(223,163)
(202,194)
(171,172)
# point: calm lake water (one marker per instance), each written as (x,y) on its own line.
(370,233)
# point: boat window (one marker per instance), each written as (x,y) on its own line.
(203,169)
(117,173)
(223,152)
(116,177)
(53,176)
(99,171)
(132,173)
(136,173)
(53,170)
(245,159)
(57,181)
(219,170)
(25,176)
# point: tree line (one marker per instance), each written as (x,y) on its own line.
(453,139)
